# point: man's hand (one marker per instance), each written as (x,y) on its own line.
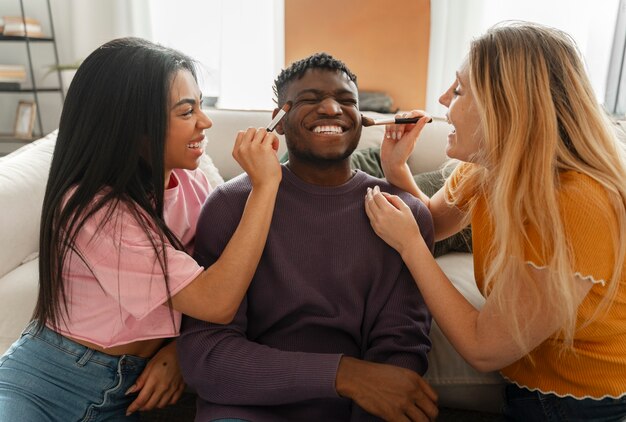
(387,391)
(160,384)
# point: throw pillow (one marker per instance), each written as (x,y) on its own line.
(211,172)
(430,183)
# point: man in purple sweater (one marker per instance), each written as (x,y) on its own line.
(333,327)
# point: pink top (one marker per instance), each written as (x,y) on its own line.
(116,292)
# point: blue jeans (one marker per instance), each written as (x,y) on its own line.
(525,405)
(47,377)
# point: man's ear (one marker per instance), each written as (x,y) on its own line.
(279,126)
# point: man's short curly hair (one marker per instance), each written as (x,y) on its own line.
(296,71)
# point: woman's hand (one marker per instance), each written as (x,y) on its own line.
(392,219)
(160,384)
(399,142)
(255,151)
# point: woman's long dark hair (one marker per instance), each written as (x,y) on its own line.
(111,141)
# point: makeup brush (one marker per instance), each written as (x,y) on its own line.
(368,121)
(279,116)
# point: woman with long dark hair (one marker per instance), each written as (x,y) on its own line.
(118,224)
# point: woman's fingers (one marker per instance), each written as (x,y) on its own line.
(397,131)
(256,137)
(255,151)
(381,199)
(242,142)
(395,200)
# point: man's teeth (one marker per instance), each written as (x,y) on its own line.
(328,129)
(195,145)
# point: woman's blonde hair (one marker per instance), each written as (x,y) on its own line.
(540,117)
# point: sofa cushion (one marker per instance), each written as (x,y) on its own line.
(429,183)
(456,382)
(23,176)
(221,136)
(20,286)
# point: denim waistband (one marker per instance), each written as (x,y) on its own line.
(84,353)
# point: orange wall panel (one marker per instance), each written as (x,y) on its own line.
(384,43)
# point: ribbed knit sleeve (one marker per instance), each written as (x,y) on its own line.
(224,367)
(394,338)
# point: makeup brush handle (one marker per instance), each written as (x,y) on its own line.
(404,120)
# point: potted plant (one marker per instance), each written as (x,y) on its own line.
(66,70)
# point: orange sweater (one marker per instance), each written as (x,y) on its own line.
(596,368)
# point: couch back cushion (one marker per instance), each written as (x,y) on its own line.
(221,136)
(429,153)
(23,176)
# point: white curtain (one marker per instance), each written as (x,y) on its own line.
(615,96)
(83,25)
(455,22)
(239,44)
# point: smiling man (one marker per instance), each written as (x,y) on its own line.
(332,327)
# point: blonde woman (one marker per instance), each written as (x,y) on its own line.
(543,183)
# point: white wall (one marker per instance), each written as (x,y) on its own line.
(83,25)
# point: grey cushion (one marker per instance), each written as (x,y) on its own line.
(430,183)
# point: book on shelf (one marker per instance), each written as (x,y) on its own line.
(10,86)
(12,73)
(22,27)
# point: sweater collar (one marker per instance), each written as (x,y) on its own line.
(355,181)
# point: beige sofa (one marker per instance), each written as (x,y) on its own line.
(23,177)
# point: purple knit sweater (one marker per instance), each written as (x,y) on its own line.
(326,286)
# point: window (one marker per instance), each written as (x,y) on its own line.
(455,22)
(239,44)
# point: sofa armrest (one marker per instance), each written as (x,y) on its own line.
(458,385)
(23,176)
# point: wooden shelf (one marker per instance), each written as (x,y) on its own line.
(30,90)
(7,137)
(30,39)
(29,87)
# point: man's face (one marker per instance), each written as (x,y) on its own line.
(324,123)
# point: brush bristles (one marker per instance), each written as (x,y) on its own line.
(367,121)
(279,116)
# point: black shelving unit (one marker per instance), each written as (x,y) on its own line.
(34,89)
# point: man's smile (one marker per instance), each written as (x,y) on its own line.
(328,130)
